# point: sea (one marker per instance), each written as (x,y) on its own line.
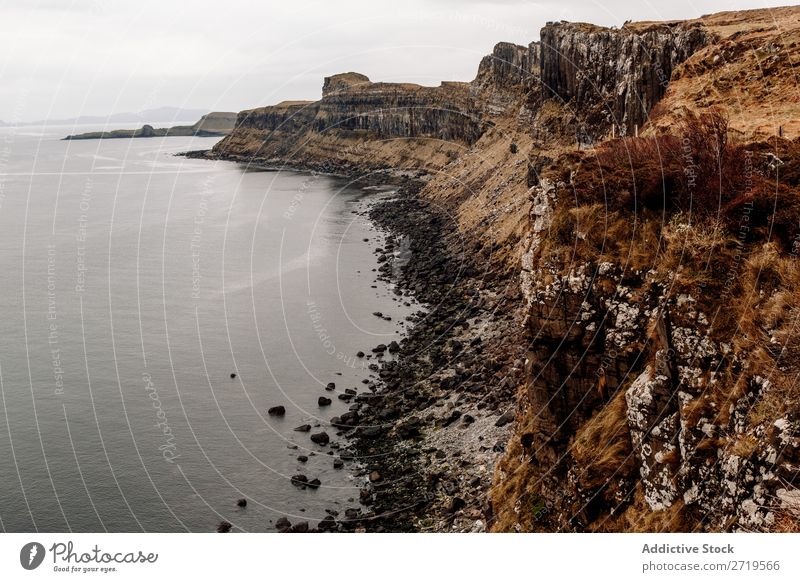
(133,284)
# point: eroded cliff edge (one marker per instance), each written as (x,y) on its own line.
(639,292)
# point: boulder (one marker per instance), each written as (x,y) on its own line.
(320,438)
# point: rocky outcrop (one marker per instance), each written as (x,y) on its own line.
(361,124)
(508,67)
(612,78)
(343,82)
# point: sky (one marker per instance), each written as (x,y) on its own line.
(64,58)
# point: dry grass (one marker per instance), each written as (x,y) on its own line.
(602,448)
(639,518)
(743,445)
(751,74)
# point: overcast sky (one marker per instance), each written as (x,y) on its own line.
(63,58)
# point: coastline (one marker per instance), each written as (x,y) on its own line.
(440,407)
(441,413)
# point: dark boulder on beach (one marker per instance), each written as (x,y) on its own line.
(299,480)
(320,438)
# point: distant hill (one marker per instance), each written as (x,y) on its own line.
(148,115)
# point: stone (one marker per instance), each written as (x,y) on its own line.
(455,504)
(328,523)
(299,480)
(322,401)
(277,411)
(224,527)
(505,418)
(282,524)
(320,438)
(242,503)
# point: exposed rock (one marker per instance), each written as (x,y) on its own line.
(299,480)
(613,77)
(505,418)
(320,438)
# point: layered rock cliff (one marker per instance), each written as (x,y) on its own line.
(359,124)
(612,78)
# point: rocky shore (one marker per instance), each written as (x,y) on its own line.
(425,436)
(429,436)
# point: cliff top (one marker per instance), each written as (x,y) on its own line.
(343,82)
(218,121)
(750,73)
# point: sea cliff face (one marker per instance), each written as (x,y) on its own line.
(612,78)
(359,124)
(628,303)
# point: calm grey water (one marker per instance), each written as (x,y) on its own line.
(132,283)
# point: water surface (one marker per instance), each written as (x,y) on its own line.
(133,284)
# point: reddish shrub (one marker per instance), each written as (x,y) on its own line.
(696,170)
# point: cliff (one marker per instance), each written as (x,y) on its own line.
(359,124)
(612,78)
(627,347)
(658,287)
